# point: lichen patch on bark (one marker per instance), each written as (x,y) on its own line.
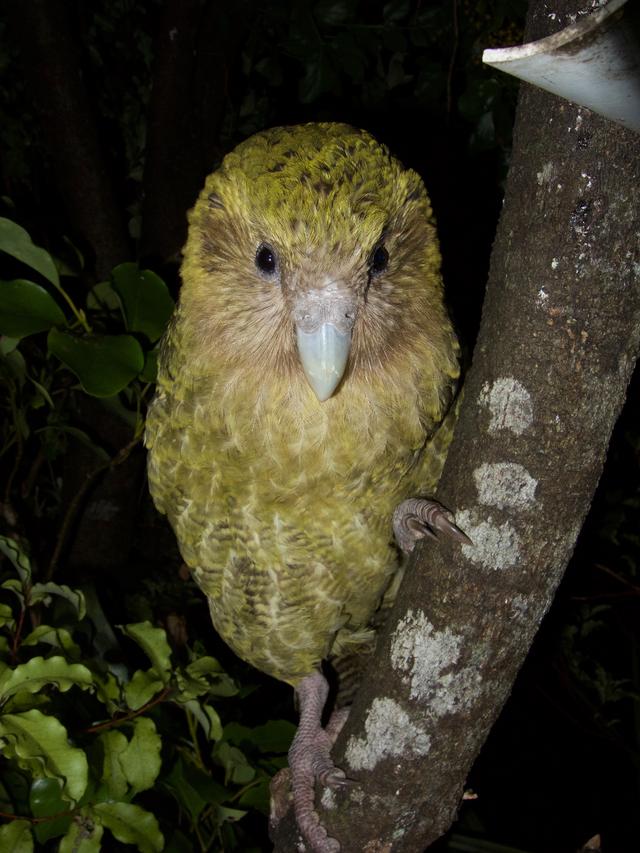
(388,732)
(328,798)
(426,658)
(505,484)
(509,405)
(495,546)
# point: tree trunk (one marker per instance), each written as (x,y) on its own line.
(195,53)
(50,58)
(558,341)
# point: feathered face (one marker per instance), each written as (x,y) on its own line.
(312,251)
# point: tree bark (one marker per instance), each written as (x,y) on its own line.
(195,52)
(49,50)
(559,337)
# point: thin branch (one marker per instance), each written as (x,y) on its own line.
(9,816)
(118,721)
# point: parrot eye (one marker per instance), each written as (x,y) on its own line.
(379,260)
(266,259)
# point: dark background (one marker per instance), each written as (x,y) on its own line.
(111,115)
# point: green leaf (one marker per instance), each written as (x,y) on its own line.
(16,242)
(42,592)
(193,788)
(104,364)
(16,587)
(8,345)
(84,835)
(114,745)
(146,300)
(16,837)
(226,814)
(27,308)
(39,744)
(274,736)
(45,800)
(153,641)
(141,759)
(17,368)
(108,690)
(142,688)
(6,615)
(204,675)
(236,767)
(103,297)
(131,825)
(257,797)
(32,676)
(53,636)
(207,717)
(11,549)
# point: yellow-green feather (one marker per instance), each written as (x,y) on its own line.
(281,504)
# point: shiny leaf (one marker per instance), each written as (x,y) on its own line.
(27,308)
(114,745)
(84,835)
(58,637)
(16,837)
(11,549)
(153,641)
(104,364)
(146,300)
(131,825)
(39,743)
(32,676)
(142,688)
(237,768)
(42,592)
(15,241)
(45,800)
(140,760)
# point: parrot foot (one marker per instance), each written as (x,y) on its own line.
(310,759)
(418,518)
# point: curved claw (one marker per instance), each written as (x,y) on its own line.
(450,528)
(417,518)
(335,778)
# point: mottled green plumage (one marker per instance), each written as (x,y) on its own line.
(282,504)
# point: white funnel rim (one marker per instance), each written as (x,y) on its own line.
(549,44)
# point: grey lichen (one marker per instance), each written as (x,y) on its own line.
(388,732)
(495,546)
(505,484)
(328,798)
(427,656)
(509,405)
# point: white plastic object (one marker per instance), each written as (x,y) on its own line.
(594,62)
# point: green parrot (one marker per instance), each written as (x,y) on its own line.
(304,399)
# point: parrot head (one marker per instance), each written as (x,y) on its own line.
(312,252)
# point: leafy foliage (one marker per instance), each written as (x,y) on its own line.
(390,66)
(118,740)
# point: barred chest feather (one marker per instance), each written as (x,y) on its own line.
(282,506)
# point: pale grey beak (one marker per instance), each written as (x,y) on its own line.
(324,355)
(324,320)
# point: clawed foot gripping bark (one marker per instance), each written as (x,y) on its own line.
(310,760)
(418,517)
